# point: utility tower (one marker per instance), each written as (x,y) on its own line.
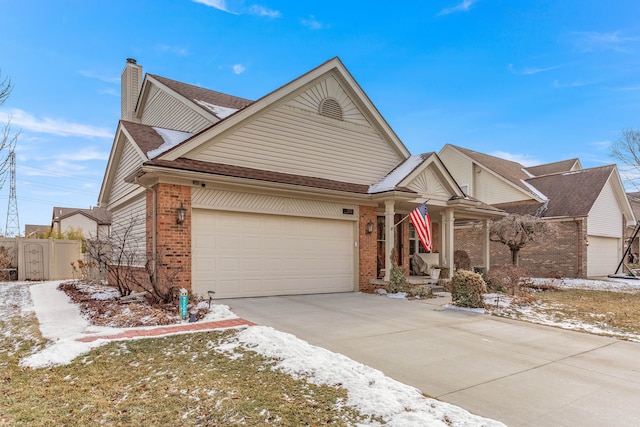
(12,227)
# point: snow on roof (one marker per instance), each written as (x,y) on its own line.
(171,139)
(390,181)
(534,190)
(221,112)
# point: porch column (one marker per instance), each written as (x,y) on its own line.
(446,240)
(486,245)
(390,238)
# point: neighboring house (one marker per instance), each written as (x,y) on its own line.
(301,191)
(94,222)
(588,206)
(634,201)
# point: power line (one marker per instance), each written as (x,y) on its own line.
(12,227)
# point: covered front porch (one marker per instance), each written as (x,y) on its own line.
(396,240)
(424,179)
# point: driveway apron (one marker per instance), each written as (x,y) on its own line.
(521,374)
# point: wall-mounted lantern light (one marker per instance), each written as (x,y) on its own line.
(182,214)
(370,227)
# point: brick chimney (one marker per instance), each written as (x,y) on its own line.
(131,83)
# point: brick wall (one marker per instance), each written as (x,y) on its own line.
(367,252)
(173,240)
(561,255)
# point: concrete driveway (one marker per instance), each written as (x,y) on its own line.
(521,374)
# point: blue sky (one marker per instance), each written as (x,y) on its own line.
(534,81)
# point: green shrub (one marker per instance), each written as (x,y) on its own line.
(397,279)
(467,288)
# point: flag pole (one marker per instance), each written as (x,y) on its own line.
(407,215)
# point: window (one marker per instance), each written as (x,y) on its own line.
(331,108)
(414,242)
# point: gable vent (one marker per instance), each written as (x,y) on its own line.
(331,108)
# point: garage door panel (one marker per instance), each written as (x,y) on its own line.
(242,254)
(603,255)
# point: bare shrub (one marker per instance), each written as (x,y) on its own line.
(508,278)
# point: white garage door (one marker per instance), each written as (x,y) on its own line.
(244,255)
(603,255)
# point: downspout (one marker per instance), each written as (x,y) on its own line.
(154,222)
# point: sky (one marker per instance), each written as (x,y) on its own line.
(535,82)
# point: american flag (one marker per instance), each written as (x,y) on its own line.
(422,224)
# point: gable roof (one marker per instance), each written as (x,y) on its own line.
(333,65)
(569,193)
(206,98)
(510,171)
(555,167)
(232,171)
(100,215)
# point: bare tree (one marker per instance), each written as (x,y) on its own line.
(119,255)
(626,149)
(516,231)
(7,137)
(122,254)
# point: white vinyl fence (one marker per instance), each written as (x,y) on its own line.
(40,259)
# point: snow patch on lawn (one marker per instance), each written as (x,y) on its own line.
(369,390)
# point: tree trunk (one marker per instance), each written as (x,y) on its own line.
(514,255)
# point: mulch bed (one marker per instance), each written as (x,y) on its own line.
(102,306)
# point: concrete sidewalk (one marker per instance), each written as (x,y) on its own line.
(519,373)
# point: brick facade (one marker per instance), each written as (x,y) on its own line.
(367,251)
(173,240)
(562,255)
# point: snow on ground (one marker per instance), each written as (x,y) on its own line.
(369,390)
(613,284)
(61,323)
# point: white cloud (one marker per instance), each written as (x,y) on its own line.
(532,70)
(313,23)
(84,154)
(576,83)
(175,50)
(601,145)
(462,7)
(263,11)
(238,69)
(523,159)
(218,4)
(93,75)
(589,41)
(26,121)
(235,7)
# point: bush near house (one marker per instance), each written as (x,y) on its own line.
(467,288)
(509,279)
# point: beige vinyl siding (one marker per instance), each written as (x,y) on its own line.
(303,143)
(460,167)
(430,184)
(131,217)
(605,218)
(269,204)
(130,159)
(491,189)
(329,88)
(163,110)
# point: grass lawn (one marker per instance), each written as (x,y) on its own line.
(609,313)
(176,380)
(617,311)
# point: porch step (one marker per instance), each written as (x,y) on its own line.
(436,288)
